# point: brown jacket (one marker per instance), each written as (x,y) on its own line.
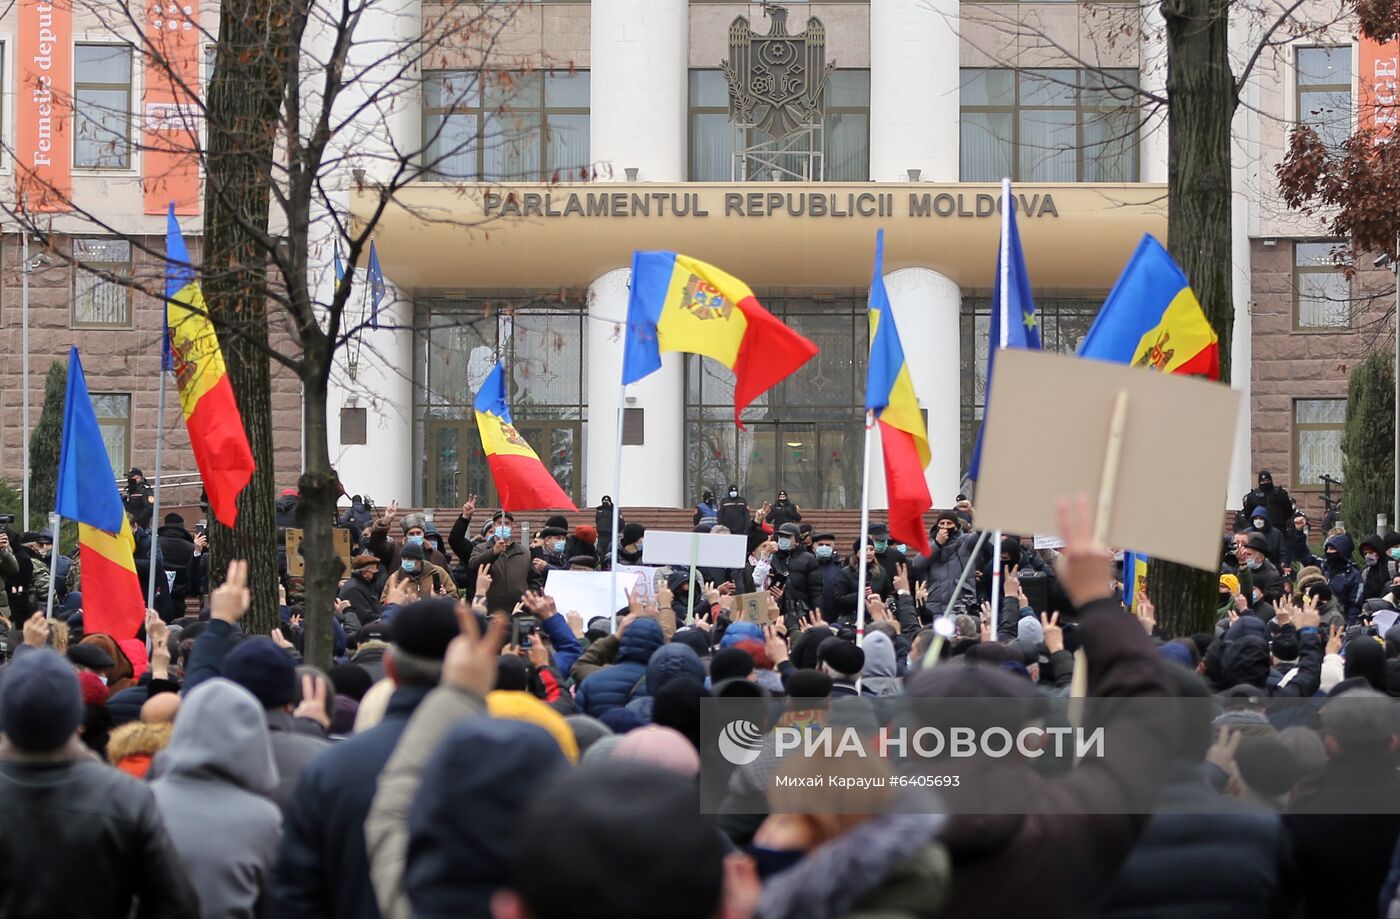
(432,580)
(387,550)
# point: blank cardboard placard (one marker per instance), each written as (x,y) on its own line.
(587,592)
(710,550)
(296,564)
(1174,466)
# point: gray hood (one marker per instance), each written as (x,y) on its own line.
(879,676)
(220,732)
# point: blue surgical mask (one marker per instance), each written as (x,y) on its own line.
(784,544)
(416,540)
(1255,564)
(824,551)
(558,545)
(408,566)
(901,548)
(881,545)
(503,532)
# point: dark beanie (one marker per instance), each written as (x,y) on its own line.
(946,515)
(511,674)
(1266,766)
(558,520)
(40,703)
(841,656)
(174,520)
(264,669)
(350,680)
(808,684)
(695,639)
(632,532)
(412,551)
(730,664)
(425,628)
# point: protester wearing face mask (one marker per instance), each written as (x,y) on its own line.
(1342,575)
(887,553)
(1277,503)
(508,563)
(877,580)
(553,543)
(1391,558)
(1264,580)
(629,546)
(783,511)
(428,579)
(734,511)
(1375,575)
(359,588)
(414,527)
(828,571)
(1296,546)
(796,569)
(1273,537)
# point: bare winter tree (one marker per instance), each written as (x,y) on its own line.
(298,102)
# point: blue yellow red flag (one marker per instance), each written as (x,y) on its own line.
(889,395)
(1152,319)
(678,303)
(522,481)
(217,436)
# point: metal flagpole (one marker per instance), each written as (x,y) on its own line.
(1004,308)
(864,527)
(617,497)
(24,347)
(54,527)
(155,506)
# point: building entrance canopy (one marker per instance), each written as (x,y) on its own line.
(537,236)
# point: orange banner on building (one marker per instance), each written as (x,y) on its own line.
(43,113)
(169,118)
(1378,85)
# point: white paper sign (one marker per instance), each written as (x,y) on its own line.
(1049,542)
(710,550)
(637,578)
(589,592)
(1384,620)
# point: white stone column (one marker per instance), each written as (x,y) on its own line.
(1245,155)
(389,129)
(1152,75)
(653,475)
(928,308)
(914,83)
(638,89)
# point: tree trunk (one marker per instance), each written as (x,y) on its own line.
(320,489)
(243,103)
(1201,100)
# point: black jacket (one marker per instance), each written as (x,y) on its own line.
(802,585)
(322,868)
(1205,856)
(1275,500)
(363,597)
(734,513)
(58,818)
(847,599)
(783,512)
(177,554)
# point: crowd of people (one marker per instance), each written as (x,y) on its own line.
(477,751)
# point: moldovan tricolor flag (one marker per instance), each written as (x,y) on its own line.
(217,436)
(521,479)
(1152,319)
(889,393)
(86,491)
(678,303)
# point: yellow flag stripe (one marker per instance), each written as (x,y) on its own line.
(199,362)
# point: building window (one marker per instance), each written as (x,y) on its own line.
(846,126)
(804,434)
(1321,291)
(102,106)
(1324,92)
(1054,125)
(543,348)
(1063,324)
(100,295)
(114,419)
(502,126)
(1317,439)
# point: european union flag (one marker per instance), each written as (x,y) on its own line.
(86,490)
(338,262)
(1015,323)
(376,286)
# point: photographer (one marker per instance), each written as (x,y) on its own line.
(16,572)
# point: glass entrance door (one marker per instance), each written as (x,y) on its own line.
(559,446)
(456,464)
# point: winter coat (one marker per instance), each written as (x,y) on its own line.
(1276,502)
(1242,659)
(432,580)
(211,784)
(734,513)
(122,673)
(177,553)
(827,578)
(322,868)
(602,522)
(389,551)
(705,510)
(293,750)
(670,662)
(1343,840)
(466,817)
(888,867)
(783,512)
(1346,582)
(80,838)
(802,592)
(847,597)
(1206,856)
(879,676)
(1375,579)
(17,572)
(510,574)
(364,599)
(944,566)
(614,686)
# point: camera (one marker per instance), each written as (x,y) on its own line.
(7,518)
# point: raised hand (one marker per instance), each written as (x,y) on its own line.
(230,600)
(1334,640)
(1222,753)
(313,702)
(470,662)
(470,507)
(1144,610)
(901,578)
(775,645)
(483,580)
(390,512)
(1054,635)
(36,630)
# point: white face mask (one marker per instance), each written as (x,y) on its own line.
(1260,523)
